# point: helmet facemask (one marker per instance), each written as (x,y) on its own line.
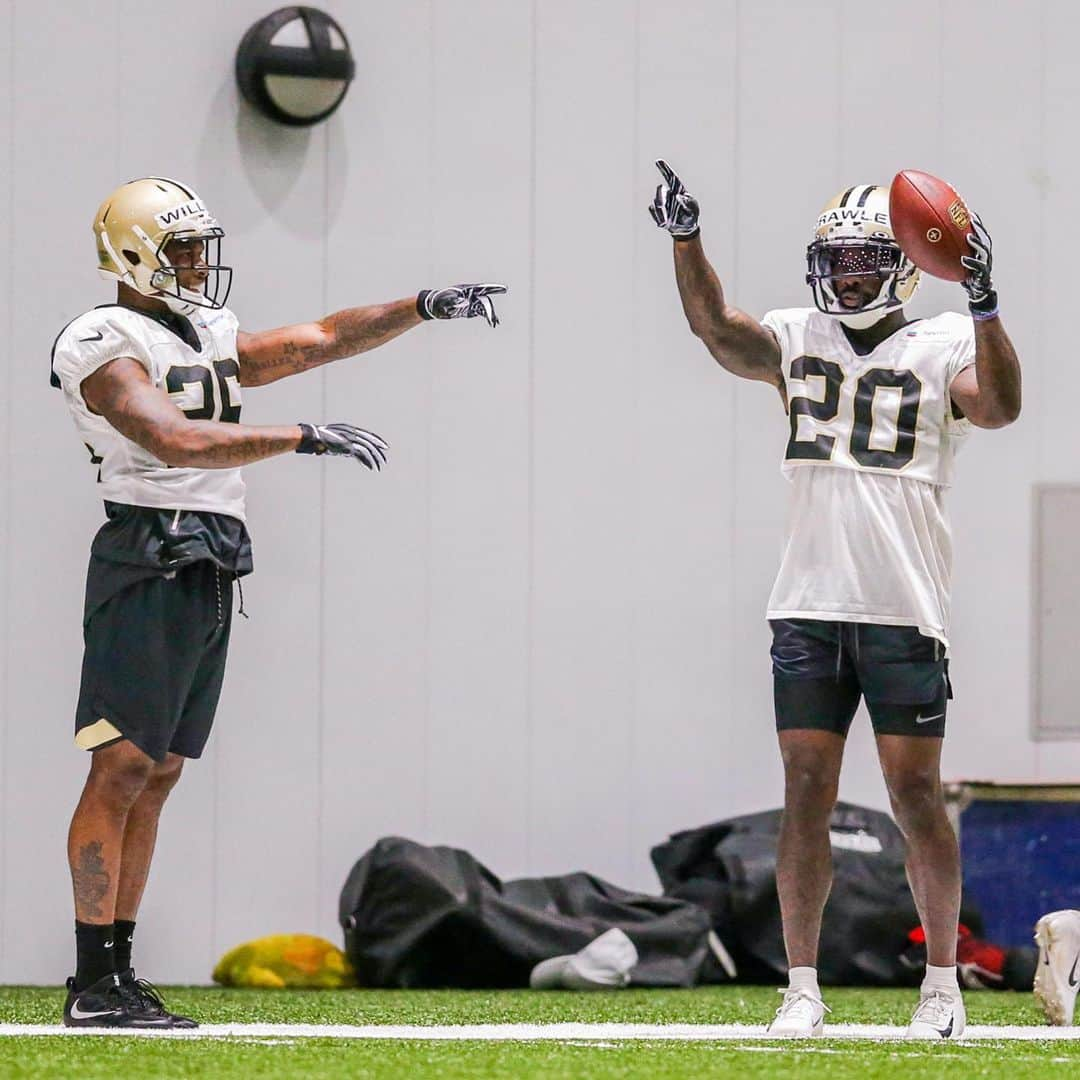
(854,239)
(214,291)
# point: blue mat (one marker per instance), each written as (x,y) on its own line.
(1021,859)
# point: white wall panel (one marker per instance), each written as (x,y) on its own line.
(684,724)
(1047,371)
(52,509)
(375,762)
(889,84)
(587,447)
(480,434)
(7,105)
(991,154)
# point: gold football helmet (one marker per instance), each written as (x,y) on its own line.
(854,238)
(133,226)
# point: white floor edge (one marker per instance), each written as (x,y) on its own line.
(536,1032)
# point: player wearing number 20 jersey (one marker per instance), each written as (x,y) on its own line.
(877,405)
(193,360)
(870,454)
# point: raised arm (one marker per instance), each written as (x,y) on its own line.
(270,355)
(738,342)
(988,392)
(122,392)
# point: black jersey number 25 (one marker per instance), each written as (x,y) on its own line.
(180,376)
(820,448)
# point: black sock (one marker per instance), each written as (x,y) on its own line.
(123,932)
(94,953)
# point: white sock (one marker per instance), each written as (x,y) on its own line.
(804,978)
(941,978)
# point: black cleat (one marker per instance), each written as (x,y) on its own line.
(102,1004)
(149,1000)
(108,1003)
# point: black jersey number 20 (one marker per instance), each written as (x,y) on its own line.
(820,448)
(180,376)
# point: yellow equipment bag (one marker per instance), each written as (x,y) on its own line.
(286,960)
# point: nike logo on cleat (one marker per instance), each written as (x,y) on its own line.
(96,337)
(108,944)
(946,1032)
(78,1014)
(1073,980)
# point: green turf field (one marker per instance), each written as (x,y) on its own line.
(89,1057)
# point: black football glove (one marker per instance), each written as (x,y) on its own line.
(354,442)
(460,302)
(674,208)
(982,299)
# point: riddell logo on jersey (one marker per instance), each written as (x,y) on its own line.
(178,213)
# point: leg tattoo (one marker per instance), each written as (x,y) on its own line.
(90,878)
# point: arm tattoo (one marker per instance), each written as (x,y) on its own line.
(345,333)
(241,445)
(143,414)
(91,880)
(356,330)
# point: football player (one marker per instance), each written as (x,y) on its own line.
(878,404)
(154,385)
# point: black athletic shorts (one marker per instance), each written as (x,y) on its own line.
(154,660)
(822,668)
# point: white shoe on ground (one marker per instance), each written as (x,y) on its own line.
(1057,978)
(940,1015)
(604,964)
(801,1016)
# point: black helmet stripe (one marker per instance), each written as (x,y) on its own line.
(169,180)
(863,196)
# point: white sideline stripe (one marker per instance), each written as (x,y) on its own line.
(537,1032)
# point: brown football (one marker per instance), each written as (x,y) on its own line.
(931,222)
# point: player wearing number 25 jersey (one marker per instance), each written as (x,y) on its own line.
(877,406)
(153,383)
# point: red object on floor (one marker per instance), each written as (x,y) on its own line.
(980,965)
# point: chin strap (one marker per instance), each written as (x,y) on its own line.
(863,320)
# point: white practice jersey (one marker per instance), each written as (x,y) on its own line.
(203,382)
(869,457)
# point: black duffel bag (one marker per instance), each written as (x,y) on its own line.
(729,868)
(417,916)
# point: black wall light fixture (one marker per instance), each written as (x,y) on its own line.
(295,66)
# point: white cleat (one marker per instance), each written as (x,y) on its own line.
(1057,978)
(801,1016)
(940,1015)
